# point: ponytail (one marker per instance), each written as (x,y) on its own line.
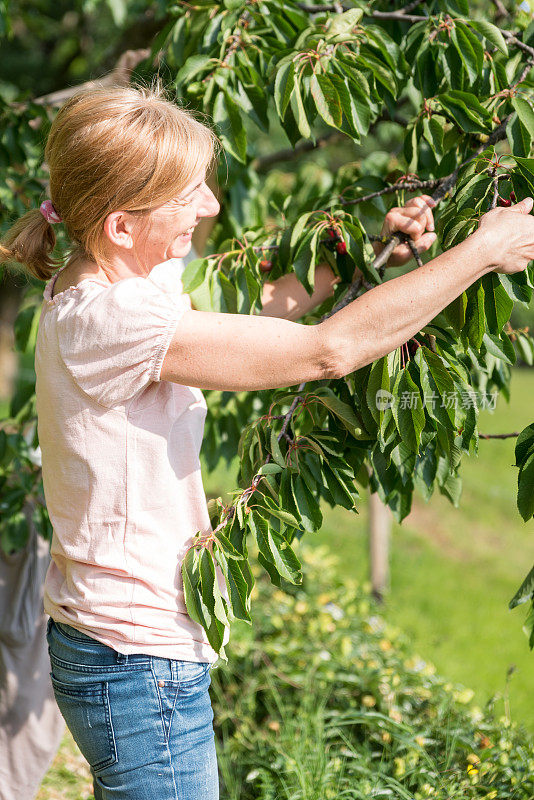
(30,241)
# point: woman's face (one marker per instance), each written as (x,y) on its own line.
(168,234)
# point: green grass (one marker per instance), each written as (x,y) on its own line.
(453,571)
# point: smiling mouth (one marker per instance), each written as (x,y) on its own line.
(188,231)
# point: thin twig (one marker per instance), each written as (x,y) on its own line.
(515,434)
(399,15)
(262,163)
(495,198)
(501,10)
(409,186)
(411,244)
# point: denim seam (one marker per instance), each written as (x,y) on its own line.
(75,638)
(136,667)
(111,729)
(166,741)
(172,711)
(159,700)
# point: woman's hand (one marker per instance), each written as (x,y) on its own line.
(509,236)
(414,218)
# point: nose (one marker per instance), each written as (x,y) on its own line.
(209,206)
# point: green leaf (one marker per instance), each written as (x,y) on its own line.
(525,113)
(326,99)
(516,286)
(452,488)
(519,137)
(275,449)
(525,348)
(210,587)
(341,410)
(298,110)
(226,546)
(408,410)
(525,489)
(473,191)
(497,304)
(341,493)
(469,49)
(298,229)
(465,110)
(378,381)
(191,584)
(433,129)
(238,588)
(348,105)
(345,22)
(283,87)
(276,511)
(193,66)
(441,380)
(232,132)
(194,274)
(525,591)
(524,445)
(304,261)
(287,563)
(491,33)
(455,312)
(475,317)
(269,469)
(500,347)
(307,505)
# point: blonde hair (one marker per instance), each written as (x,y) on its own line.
(109,148)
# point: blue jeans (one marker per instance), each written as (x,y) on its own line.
(143,723)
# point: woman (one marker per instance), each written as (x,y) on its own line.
(121,359)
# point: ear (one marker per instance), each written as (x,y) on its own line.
(118,227)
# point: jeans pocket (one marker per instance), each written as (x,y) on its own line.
(86,710)
(192,672)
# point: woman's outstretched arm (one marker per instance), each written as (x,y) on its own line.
(238,352)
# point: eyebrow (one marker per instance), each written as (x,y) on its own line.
(194,187)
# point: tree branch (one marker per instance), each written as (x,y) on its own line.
(120,74)
(515,434)
(501,10)
(399,15)
(262,163)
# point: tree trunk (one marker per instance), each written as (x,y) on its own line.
(379,535)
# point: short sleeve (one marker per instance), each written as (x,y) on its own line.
(113,339)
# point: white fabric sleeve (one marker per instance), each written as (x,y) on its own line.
(113,339)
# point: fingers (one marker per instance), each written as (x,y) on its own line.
(425,203)
(410,219)
(524,206)
(413,218)
(403,252)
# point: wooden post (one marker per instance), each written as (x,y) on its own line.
(379,536)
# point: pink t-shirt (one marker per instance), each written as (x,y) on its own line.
(121,471)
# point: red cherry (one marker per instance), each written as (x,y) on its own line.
(332,233)
(512,196)
(341,248)
(266,266)
(504,203)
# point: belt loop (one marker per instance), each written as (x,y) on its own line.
(122,658)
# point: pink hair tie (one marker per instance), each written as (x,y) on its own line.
(49,212)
